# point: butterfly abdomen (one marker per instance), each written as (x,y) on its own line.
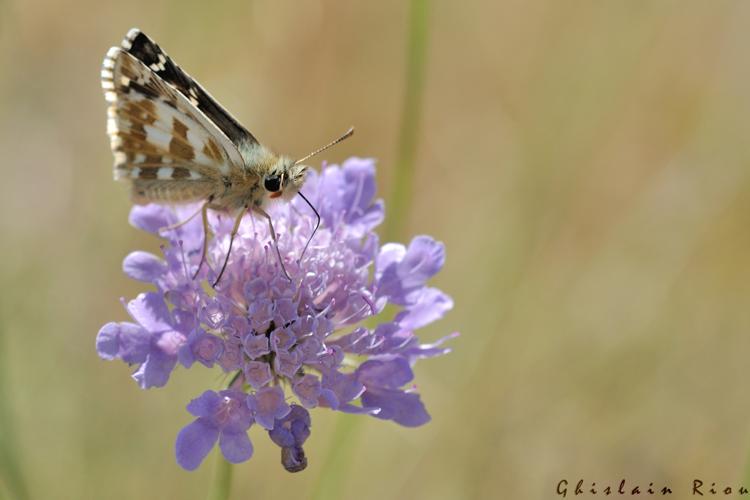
(149,190)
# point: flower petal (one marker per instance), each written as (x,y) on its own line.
(392,374)
(423,259)
(233,414)
(255,289)
(358,410)
(390,254)
(430,305)
(204,405)
(144,266)
(235,446)
(201,347)
(257,373)
(126,341)
(424,351)
(293,429)
(357,197)
(231,357)
(268,404)
(150,217)
(404,408)
(399,275)
(286,311)
(170,343)
(309,349)
(328,399)
(344,386)
(151,312)
(156,370)
(194,442)
(307,389)
(282,339)
(256,346)
(286,363)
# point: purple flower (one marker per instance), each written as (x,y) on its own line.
(153,342)
(201,347)
(267,405)
(303,340)
(256,346)
(290,433)
(257,373)
(223,417)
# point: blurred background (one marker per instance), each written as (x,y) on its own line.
(586,163)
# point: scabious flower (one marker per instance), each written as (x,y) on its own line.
(323,339)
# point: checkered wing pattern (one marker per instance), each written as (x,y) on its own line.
(161,139)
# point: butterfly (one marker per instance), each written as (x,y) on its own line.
(176,144)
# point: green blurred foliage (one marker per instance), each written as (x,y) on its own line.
(585,162)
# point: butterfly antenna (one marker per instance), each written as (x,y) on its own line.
(332,143)
(317,225)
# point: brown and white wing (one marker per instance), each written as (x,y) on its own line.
(140,46)
(159,139)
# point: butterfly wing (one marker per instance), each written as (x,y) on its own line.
(160,140)
(140,46)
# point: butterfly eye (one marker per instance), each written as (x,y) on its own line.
(272,183)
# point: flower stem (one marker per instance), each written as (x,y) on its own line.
(222,479)
(411,114)
(341,450)
(11,480)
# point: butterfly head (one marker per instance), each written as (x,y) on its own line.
(285,179)
(286,176)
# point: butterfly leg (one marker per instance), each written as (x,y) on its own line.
(235,228)
(264,214)
(204,216)
(180,224)
(315,230)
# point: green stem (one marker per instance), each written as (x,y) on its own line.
(339,458)
(411,118)
(342,446)
(12,483)
(222,479)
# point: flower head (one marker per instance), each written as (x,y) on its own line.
(303,339)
